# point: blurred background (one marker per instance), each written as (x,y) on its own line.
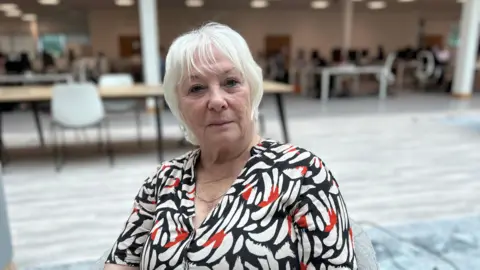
(386,92)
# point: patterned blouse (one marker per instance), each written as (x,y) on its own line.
(284,211)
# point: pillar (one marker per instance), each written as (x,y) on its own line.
(149,36)
(347,24)
(466,55)
(33,25)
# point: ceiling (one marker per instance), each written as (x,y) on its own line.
(71,9)
(84,5)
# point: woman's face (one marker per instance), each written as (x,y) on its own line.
(215,103)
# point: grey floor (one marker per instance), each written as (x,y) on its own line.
(397,162)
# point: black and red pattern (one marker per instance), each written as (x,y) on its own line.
(284,211)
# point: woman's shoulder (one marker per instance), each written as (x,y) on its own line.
(286,153)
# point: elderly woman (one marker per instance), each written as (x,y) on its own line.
(238,201)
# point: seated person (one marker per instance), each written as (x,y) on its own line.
(237,199)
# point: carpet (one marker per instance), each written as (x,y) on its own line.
(452,244)
(470,121)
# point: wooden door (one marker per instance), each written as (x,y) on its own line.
(431,41)
(275,43)
(129,45)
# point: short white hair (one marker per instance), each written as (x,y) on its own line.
(197,44)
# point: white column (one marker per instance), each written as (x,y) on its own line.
(35,36)
(149,36)
(347,24)
(467,50)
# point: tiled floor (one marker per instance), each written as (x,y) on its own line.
(397,162)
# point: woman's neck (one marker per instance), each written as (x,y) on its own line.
(214,157)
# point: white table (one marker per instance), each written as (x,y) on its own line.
(354,70)
(35,78)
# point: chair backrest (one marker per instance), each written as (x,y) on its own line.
(117,79)
(76,105)
(390,60)
(364,250)
(6,253)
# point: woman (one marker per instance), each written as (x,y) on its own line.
(238,201)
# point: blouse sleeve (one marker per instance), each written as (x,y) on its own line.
(128,248)
(325,237)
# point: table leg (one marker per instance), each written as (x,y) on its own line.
(382,94)
(283,120)
(158,120)
(325,85)
(2,147)
(38,123)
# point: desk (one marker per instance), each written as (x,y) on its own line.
(353,70)
(35,78)
(37,94)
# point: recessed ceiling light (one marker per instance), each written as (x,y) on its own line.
(13,13)
(7,7)
(406,1)
(259,4)
(124,3)
(319,4)
(194,3)
(376,5)
(29,17)
(49,2)
(461,1)
(357,0)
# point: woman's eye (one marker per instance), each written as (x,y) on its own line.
(231,82)
(195,88)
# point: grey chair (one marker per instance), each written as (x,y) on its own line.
(77,106)
(122,106)
(6,254)
(364,251)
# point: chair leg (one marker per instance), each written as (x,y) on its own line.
(108,142)
(138,121)
(57,153)
(100,138)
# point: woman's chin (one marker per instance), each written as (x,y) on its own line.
(224,137)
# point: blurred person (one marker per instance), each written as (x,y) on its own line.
(317,62)
(380,54)
(24,63)
(280,65)
(102,65)
(48,62)
(37,63)
(237,199)
(62,63)
(442,60)
(300,64)
(3,61)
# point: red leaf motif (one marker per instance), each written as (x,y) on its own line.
(302,169)
(174,184)
(181,235)
(333,220)
(248,191)
(302,222)
(271,198)
(217,239)
(289,224)
(303,266)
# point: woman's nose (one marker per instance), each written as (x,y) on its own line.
(217,100)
